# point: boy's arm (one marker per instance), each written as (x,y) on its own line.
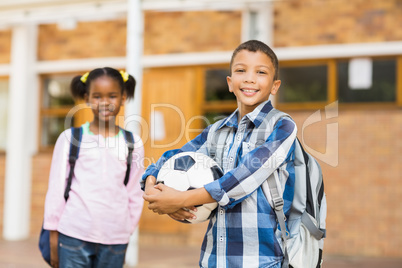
(256,166)
(191,146)
(168,200)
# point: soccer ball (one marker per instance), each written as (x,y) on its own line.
(191,170)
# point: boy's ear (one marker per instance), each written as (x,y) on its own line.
(229,81)
(275,87)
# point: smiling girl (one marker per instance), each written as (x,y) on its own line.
(92,228)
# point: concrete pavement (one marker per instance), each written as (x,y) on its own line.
(25,254)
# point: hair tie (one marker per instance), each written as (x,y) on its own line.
(84,77)
(124,75)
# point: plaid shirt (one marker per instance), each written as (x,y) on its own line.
(242,232)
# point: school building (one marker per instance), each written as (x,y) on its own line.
(341,72)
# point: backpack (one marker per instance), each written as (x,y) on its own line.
(302,245)
(44,237)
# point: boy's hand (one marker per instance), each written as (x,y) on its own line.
(183,214)
(166,201)
(150,186)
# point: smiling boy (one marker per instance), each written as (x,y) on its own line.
(249,145)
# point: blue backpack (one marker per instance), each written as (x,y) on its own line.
(44,237)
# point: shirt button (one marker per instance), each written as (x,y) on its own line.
(221,239)
(221,211)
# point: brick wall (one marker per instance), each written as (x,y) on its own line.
(364,191)
(5,46)
(314,22)
(171,32)
(88,40)
(178,32)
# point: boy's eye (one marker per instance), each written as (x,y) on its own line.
(261,72)
(239,70)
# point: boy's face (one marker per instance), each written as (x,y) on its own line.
(252,80)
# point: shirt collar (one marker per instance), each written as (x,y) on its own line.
(256,116)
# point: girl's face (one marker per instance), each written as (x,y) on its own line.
(252,80)
(105,98)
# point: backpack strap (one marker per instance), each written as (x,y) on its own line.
(278,203)
(76,136)
(129,138)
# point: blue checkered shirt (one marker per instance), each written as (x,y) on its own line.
(242,232)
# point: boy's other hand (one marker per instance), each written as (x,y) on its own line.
(183,214)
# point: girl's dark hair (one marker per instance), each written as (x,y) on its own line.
(79,88)
(254,46)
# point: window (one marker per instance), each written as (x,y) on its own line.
(3,112)
(314,84)
(56,103)
(383,83)
(218,101)
(303,84)
(216,85)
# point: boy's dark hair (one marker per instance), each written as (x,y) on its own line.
(79,88)
(254,46)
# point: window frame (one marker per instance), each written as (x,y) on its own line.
(45,112)
(332,86)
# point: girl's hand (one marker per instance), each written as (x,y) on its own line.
(166,201)
(54,243)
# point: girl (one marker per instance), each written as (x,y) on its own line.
(93,227)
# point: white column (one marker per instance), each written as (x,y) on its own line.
(21,132)
(135,30)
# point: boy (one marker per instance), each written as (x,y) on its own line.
(242,232)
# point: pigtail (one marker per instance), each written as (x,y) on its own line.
(130,87)
(78,88)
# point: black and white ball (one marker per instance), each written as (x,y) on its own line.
(191,170)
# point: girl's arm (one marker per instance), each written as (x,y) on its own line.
(54,203)
(133,186)
(54,256)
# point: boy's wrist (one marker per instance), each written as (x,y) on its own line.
(150,181)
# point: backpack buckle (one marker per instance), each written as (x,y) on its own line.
(278,203)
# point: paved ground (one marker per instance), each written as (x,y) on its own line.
(25,254)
